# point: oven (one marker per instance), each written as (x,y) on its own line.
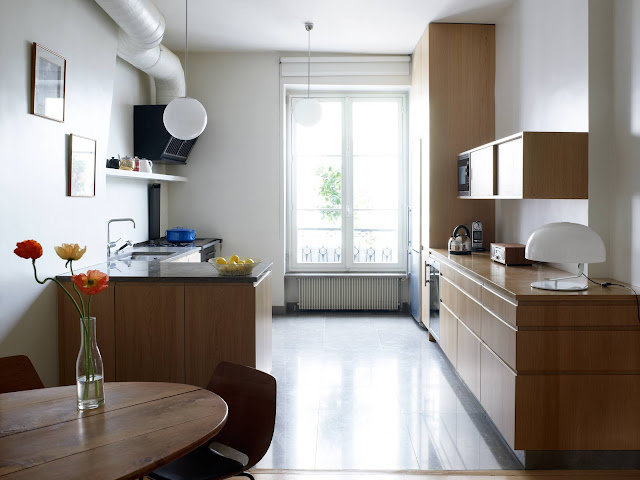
(208,252)
(463,174)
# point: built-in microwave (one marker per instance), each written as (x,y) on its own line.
(463,175)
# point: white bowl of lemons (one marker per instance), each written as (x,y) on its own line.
(234,265)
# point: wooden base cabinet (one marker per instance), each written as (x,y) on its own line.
(555,372)
(230,322)
(150,332)
(449,334)
(498,393)
(171,332)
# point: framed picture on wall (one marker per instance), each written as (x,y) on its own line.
(49,72)
(82,167)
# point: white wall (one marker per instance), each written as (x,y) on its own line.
(234,169)
(33,184)
(129,197)
(541,85)
(624,158)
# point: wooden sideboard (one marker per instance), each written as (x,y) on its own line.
(555,371)
(162,331)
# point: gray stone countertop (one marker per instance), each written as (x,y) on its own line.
(122,268)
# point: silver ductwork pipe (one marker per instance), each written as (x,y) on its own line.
(139,43)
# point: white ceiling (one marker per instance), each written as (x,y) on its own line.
(341,26)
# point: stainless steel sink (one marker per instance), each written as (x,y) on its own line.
(146,256)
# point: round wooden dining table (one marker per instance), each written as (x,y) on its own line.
(141,427)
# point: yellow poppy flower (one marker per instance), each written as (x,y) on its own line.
(68,251)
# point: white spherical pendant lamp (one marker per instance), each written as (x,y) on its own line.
(308,111)
(185,118)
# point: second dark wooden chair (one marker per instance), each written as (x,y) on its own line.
(245,438)
(17,374)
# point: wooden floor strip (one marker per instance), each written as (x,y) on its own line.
(260,474)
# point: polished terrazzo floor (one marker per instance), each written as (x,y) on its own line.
(369,391)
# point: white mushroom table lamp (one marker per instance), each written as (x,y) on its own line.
(565,242)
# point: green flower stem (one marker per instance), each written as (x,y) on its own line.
(70,262)
(35,274)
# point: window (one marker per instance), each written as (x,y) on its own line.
(346,185)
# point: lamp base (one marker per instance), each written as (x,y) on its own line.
(561,285)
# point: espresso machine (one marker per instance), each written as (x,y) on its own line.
(476,236)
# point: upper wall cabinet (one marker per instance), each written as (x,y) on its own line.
(530,165)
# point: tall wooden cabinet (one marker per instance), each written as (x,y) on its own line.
(452,110)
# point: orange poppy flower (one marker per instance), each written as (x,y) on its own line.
(93,282)
(28,249)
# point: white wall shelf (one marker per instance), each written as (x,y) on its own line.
(160,177)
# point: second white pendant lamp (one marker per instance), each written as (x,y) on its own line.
(185,117)
(308,111)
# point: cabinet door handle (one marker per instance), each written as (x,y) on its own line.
(426,275)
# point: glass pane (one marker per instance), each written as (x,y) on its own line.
(323,138)
(318,182)
(375,236)
(319,236)
(376,127)
(375,182)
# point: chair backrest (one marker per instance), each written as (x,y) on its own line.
(17,374)
(251,397)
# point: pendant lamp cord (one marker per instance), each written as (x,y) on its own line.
(309,27)
(186,45)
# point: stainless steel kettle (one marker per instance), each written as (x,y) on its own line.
(459,244)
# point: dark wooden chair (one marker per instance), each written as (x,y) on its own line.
(17,374)
(245,438)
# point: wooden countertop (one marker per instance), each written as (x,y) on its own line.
(515,281)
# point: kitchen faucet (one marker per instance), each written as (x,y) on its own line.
(111,244)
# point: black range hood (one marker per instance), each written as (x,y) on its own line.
(152,141)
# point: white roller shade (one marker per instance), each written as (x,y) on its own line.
(346,66)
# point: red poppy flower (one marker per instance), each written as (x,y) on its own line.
(93,282)
(28,249)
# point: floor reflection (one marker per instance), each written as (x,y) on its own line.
(370,391)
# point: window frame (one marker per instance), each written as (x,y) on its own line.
(347,265)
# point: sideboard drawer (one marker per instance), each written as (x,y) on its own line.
(462,305)
(498,393)
(500,337)
(470,286)
(499,306)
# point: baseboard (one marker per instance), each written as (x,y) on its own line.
(278,310)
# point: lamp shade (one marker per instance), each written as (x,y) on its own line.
(565,242)
(307,112)
(185,118)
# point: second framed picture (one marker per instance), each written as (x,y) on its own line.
(49,72)
(82,167)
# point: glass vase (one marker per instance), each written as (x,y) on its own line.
(89,370)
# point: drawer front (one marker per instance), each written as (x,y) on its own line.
(498,393)
(579,350)
(500,307)
(470,286)
(468,361)
(500,337)
(462,305)
(448,334)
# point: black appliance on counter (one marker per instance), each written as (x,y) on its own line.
(154,211)
(152,141)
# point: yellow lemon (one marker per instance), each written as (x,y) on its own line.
(248,260)
(221,261)
(234,258)
(233,261)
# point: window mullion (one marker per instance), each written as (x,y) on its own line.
(347,183)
